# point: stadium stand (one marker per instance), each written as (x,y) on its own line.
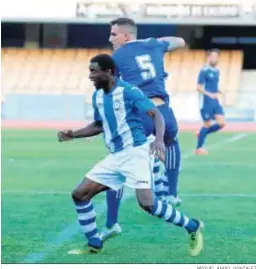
(65,71)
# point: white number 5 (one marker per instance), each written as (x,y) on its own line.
(145,64)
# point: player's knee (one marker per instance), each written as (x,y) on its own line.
(207,124)
(222,123)
(220,120)
(80,194)
(77,195)
(146,207)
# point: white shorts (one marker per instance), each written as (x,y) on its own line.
(131,167)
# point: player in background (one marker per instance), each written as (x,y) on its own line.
(116,114)
(211,109)
(141,63)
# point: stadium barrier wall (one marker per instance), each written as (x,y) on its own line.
(44,107)
(63,111)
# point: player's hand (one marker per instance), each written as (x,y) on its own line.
(65,135)
(157,148)
(213,95)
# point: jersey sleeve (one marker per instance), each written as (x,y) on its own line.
(96,114)
(201,77)
(160,44)
(139,99)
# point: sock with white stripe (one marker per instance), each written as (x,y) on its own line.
(172,165)
(165,211)
(160,180)
(113,203)
(87,220)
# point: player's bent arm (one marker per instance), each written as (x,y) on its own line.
(92,129)
(141,102)
(174,42)
(159,123)
(200,89)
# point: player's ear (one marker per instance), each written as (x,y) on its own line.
(126,36)
(109,72)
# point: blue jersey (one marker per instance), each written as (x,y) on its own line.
(141,63)
(209,78)
(119,112)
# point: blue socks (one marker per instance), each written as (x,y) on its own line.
(214,128)
(204,132)
(113,203)
(172,166)
(201,138)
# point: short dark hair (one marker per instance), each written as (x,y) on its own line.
(123,21)
(105,62)
(213,50)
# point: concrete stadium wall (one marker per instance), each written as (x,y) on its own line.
(74,108)
(44,107)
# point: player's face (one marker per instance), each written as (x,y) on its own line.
(213,58)
(117,37)
(99,77)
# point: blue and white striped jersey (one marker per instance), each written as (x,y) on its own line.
(119,111)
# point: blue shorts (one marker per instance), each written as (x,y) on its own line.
(171,126)
(209,111)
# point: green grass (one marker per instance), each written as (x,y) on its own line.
(38,218)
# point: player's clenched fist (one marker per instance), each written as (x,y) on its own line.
(65,135)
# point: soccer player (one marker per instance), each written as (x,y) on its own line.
(211,109)
(140,62)
(116,114)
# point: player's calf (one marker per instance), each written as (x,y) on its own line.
(202,136)
(169,214)
(145,199)
(86,214)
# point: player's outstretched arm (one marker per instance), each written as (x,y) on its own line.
(92,129)
(174,42)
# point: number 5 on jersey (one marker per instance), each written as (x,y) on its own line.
(148,70)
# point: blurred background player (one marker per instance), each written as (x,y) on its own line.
(140,62)
(211,109)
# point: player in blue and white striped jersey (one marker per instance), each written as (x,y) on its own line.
(117,106)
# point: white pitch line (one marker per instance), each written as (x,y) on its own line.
(202,165)
(220,195)
(224,195)
(68,233)
(213,146)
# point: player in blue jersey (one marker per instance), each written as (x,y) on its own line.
(211,109)
(116,114)
(141,63)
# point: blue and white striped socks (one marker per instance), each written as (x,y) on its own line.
(161,187)
(87,220)
(165,211)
